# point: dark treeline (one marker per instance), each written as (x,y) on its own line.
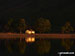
(15,22)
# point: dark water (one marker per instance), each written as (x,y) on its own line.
(31,50)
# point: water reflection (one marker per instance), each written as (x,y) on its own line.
(23,48)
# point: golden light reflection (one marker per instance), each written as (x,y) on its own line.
(30,39)
(33,39)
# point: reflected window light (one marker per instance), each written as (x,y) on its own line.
(30,39)
(33,39)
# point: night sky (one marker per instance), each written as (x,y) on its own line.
(58,11)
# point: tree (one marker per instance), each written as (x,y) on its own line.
(42,25)
(21,25)
(8,27)
(67,28)
(67,43)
